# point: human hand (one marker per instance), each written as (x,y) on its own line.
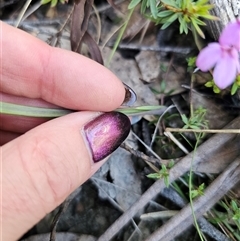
(41,167)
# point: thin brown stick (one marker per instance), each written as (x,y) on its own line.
(151,161)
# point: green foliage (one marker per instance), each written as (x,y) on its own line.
(238,80)
(133,4)
(236,85)
(211,84)
(120,35)
(30,111)
(53,2)
(236,211)
(162,90)
(191,62)
(233,212)
(197,120)
(189,13)
(198,192)
(163,173)
(216,90)
(139,109)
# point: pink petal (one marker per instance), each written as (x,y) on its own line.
(235,56)
(230,36)
(208,57)
(225,71)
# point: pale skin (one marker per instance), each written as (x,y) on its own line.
(43,161)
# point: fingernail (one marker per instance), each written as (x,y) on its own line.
(105,133)
(130,96)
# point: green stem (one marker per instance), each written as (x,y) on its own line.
(191,104)
(29,111)
(190,190)
(22,110)
(120,36)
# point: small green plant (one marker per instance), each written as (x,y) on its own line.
(197,120)
(162,90)
(235,87)
(163,173)
(211,84)
(191,62)
(163,86)
(198,192)
(188,13)
(233,212)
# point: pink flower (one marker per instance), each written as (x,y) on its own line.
(223,56)
(224,59)
(230,36)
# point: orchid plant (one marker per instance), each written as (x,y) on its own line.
(224,57)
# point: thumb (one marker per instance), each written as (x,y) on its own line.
(43,166)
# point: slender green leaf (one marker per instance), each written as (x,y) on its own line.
(14,109)
(194,127)
(166,181)
(184,119)
(170,20)
(164,168)
(54,3)
(144,6)
(154,175)
(200,32)
(45,1)
(210,17)
(163,86)
(182,22)
(140,109)
(153,8)
(164,13)
(234,88)
(184,4)
(165,25)
(199,22)
(120,35)
(181,28)
(170,3)
(201,2)
(234,205)
(133,4)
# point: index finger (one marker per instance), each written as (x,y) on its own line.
(32,69)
